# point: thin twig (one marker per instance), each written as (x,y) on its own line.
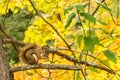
(89,21)
(99,61)
(97,8)
(48,1)
(112,17)
(86,55)
(81,62)
(40,74)
(81,24)
(83,73)
(49,77)
(118,9)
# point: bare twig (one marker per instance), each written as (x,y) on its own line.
(97,8)
(114,19)
(99,61)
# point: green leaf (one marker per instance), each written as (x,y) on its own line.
(50,42)
(70,18)
(112,32)
(106,32)
(29,73)
(80,7)
(110,55)
(79,39)
(95,40)
(68,9)
(91,32)
(88,42)
(105,62)
(12,62)
(94,69)
(78,24)
(89,17)
(104,6)
(78,76)
(101,22)
(80,56)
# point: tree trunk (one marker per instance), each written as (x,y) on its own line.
(4,65)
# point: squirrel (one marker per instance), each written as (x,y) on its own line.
(31,53)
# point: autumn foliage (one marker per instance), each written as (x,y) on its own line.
(86,30)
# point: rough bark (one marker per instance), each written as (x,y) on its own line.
(4,65)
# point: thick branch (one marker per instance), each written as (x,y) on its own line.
(57,66)
(16,42)
(45,66)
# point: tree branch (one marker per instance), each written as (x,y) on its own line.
(16,42)
(81,62)
(56,66)
(45,66)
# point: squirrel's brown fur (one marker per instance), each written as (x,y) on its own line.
(31,53)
